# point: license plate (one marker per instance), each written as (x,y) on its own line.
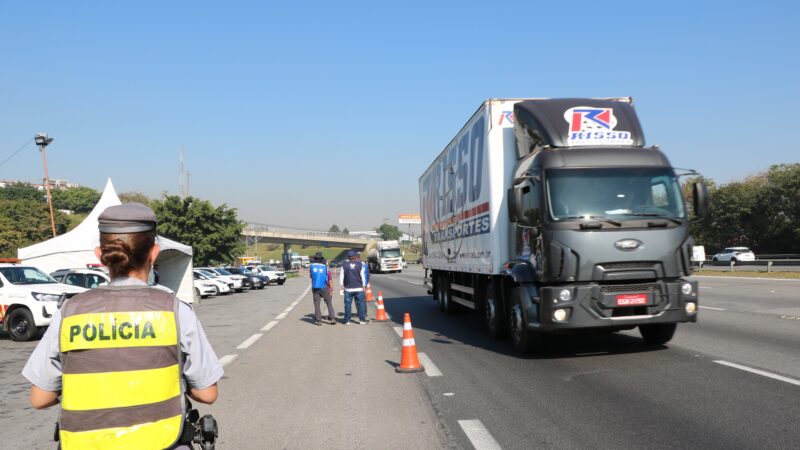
(631,299)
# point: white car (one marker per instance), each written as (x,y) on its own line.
(236,282)
(28,299)
(87,278)
(274,275)
(240,282)
(204,288)
(220,286)
(734,254)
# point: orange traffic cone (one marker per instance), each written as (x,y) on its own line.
(380,314)
(409,362)
(369,293)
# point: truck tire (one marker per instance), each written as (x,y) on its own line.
(523,340)
(445,304)
(495,315)
(21,327)
(657,333)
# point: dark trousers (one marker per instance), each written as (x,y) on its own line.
(323,293)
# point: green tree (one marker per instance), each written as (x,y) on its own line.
(26,222)
(22,191)
(215,234)
(345,231)
(389,232)
(134,197)
(334,229)
(77,199)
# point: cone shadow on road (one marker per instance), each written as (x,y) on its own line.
(467,327)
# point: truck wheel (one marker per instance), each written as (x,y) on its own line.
(657,333)
(445,305)
(20,325)
(494,315)
(523,340)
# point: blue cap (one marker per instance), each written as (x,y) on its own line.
(351,253)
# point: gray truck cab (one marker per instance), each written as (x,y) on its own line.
(600,231)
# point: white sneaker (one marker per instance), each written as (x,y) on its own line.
(347,323)
(362,322)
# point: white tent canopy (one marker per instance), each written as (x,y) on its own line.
(75,249)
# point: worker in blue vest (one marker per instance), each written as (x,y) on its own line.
(321,288)
(353,278)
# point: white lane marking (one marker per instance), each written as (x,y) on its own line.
(711,307)
(227,359)
(706,287)
(449,394)
(281,316)
(478,435)
(430,368)
(759,372)
(399,331)
(288,310)
(249,341)
(269,326)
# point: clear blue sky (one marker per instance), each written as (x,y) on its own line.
(282,106)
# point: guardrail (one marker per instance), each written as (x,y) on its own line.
(768,264)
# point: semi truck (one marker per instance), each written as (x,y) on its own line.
(551,216)
(385,257)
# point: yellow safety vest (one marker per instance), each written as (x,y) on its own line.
(121,365)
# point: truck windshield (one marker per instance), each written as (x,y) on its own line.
(392,253)
(628,193)
(26,275)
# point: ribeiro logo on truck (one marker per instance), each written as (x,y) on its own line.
(451,191)
(594,126)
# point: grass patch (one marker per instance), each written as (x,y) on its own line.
(719,273)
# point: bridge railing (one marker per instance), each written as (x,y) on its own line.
(300,232)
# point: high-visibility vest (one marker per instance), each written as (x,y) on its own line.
(121,369)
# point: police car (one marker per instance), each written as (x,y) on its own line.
(28,299)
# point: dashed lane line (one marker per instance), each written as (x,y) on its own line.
(760,372)
(430,368)
(227,359)
(478,435)
(711,307)
(281,316)
(399,331)
(269,326)
(249,341)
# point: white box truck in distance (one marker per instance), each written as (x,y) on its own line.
(551,215)
(385,257)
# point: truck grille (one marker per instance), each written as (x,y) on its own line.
(639,287)
(628,265)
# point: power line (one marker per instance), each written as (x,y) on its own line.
(15,153)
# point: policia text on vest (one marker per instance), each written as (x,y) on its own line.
(104,331)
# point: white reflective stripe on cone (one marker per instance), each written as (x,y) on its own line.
(407,325)
(408,342)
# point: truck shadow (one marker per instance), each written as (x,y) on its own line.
(468,328)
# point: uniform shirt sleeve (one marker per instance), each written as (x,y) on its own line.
(341,276)
(43,368)
(201,366)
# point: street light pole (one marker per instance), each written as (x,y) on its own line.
(43,141)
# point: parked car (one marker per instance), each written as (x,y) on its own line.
(222,287)
(734,254)
(29,297)
(204,288)
(236,282)
(274,275)
(85,278)
(334,263)
(256,281)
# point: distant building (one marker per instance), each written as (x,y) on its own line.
(54,184)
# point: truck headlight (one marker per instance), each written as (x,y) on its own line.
(42,297)
(565,295)
(686,288)
(691,307)
(560,315)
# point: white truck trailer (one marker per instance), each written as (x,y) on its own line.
(551,215)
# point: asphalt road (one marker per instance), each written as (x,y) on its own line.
(613,391)
(732,380)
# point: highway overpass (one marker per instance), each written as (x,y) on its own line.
(273,234)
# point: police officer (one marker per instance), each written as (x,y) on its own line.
(116,354)
(321,288)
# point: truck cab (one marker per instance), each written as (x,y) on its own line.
(385,257)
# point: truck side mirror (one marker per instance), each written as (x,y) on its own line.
(515,205)
(700,200)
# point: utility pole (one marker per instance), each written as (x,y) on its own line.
(43,141)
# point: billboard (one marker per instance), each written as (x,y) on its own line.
(412,219)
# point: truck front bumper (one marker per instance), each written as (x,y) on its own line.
(592,305)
